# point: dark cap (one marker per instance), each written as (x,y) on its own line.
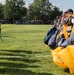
(69,10)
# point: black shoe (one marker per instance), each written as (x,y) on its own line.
(67,70)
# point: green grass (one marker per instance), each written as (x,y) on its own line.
(22,51)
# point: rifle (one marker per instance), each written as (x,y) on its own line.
(0,32)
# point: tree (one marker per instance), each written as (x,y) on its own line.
(55,12)
(14,10)
(43,10)
(1,11)
(40,9)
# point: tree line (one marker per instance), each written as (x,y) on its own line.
(38,10)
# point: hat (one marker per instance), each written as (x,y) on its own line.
(69,10)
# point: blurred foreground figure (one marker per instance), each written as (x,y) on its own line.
(60,39)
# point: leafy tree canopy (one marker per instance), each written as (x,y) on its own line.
(43,9)
(14,9)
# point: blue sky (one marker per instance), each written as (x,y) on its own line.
(62,4)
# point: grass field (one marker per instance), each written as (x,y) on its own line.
(22,51)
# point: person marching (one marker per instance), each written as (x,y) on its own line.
(59,34)
(68,29)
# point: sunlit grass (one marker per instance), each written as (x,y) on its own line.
(22,51)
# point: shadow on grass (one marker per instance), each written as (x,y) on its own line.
(20,53)
(25,60)
(15,53)
(14,66)
(11,71)
(24,51)
(7,36)
(17,65)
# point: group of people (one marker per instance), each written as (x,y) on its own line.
(62,32)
